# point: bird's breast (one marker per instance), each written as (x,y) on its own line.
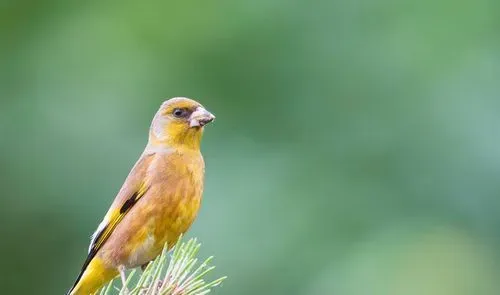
(180,193)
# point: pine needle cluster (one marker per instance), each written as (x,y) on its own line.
(176,274)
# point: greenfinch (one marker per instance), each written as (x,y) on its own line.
(158,201)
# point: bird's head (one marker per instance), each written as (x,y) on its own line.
(179,123)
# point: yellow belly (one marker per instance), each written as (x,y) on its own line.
(163,225)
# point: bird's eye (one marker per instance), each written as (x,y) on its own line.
(180,113)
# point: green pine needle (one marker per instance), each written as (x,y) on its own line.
(178,275)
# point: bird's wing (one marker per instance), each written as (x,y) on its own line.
(135,186)
(114,216)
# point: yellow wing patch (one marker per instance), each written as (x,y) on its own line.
(115,217)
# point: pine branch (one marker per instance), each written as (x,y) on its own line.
(179,275)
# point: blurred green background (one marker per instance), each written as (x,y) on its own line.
(356,149)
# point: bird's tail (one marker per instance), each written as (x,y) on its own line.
(93,277)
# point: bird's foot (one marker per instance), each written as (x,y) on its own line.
(121,269)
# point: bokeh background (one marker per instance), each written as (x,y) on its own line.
(356,149)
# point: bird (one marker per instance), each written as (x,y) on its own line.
(158,201)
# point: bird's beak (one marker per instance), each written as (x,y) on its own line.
(200,117)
